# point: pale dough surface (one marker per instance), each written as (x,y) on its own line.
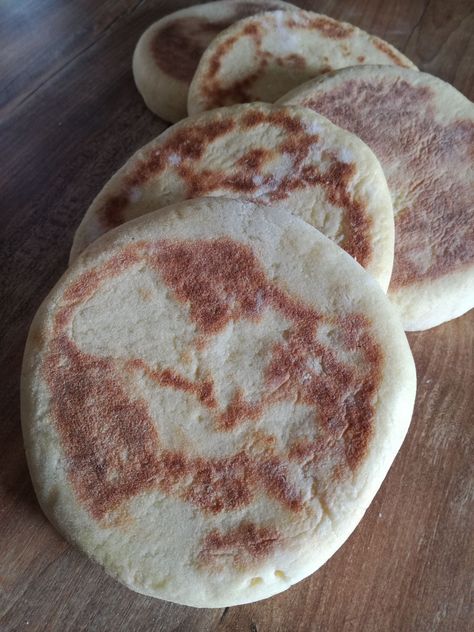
(262,57)
(273,155)
(422,131)
(150,472)
(168,52)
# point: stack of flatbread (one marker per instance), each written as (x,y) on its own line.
(217,386)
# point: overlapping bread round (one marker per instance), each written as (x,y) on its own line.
(265,153)
(168,52)
(262,57)
(422,131)
(211,397)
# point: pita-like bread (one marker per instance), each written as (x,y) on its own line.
(266,153)
(262,57)
(211,398)
(168,52)
(422,130)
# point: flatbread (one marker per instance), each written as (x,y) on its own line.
(422,130)
(262,57)
(168,52)
(211,398)
(288,156)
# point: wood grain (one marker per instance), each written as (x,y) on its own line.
(70,117)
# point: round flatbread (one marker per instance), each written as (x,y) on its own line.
(168,52)
(211,398)
(262,57)
(422,131)
(274,155)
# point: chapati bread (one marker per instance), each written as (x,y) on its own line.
(262,57)
(422,131)
(271,154)
(211,398)
(168,52)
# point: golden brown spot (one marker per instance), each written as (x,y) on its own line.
(299,148)
(113,209)
(252,118)
(238,91)
(326,26)
(219,279)
(293,60)
(93,413)
(276,481)
(191,142)
(336,182)
(422,159)
(178,46)
(81,289)
(263,441)
(303,451)
(286,121)
(244,545)
(238,411)
(392,54)
(254,159)
(361,59)
(119,519)
(221,51)
(252,30)
(222,484)
(354,329)
(203,391)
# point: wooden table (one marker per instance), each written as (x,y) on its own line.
(70,118)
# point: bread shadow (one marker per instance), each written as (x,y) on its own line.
(16,489)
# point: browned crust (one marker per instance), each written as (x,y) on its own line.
(244,545)
(332,29)
(110,442)
(390,52)
(189,143)
(434,233)
(179,44)
(240,91)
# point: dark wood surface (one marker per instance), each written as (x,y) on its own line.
(70,115)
